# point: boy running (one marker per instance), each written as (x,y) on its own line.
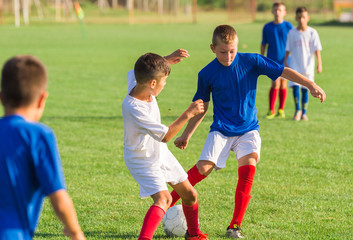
(145,150)
(303,45)
(274,35)
(30,166)
(232,79)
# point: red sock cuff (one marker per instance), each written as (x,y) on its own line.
(194,176)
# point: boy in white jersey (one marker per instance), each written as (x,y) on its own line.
(303,45)
(145,151)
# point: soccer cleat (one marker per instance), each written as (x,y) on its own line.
(281,114)
(305,117)
(201,236)
(297,115)
(270,115)
(234,232)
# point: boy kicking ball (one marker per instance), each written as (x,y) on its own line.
(232,79)
(145,151)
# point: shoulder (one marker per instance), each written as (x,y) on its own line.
(288,24)
(209,68)
(313,31)
(249,56)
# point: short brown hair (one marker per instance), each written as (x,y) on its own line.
(224,33)
(23,79)
(151,66)
(277,4)
(300,10)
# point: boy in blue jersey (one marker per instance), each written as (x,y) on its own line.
(232,79)
(274,35)
(30,166)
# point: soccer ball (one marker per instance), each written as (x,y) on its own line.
(174,223)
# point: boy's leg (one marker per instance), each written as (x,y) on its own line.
(282,94)
(272,96)
(190,206)
(296,95)
(246,173)
(305,100)
(195,175)
(155,214)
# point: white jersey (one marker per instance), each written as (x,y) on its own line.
(302,46)
(148,159)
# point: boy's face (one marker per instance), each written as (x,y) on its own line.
(279,12)
(302,19)
(226,52)
(158,86)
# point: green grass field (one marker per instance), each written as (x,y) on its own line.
(303,183)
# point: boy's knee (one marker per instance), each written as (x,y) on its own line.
(190,198)
(205,167)
(163,201)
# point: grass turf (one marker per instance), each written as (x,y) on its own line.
(303,183)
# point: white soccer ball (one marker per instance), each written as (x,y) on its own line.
(174,223)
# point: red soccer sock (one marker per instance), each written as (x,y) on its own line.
(272,99)
(282,98)
(242,194)
(194,177)
(192,218)
(152,219)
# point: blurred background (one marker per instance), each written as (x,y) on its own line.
(21,12)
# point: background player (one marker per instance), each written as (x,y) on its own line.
(303,45)
(274,35)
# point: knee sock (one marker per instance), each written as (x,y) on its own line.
(192,218)
(282,98)
(242,194)
(273,98)
(296,96)
(152,219)
(305,99)
(194,177)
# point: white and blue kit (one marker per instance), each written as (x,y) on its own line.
(233,91)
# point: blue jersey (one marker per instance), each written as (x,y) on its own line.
(233,91)
(30,169)
(275,35)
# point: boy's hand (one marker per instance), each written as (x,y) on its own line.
(181,142)
(195,108)
(177,56)
(317,92)
(74,236)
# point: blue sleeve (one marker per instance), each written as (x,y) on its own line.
(268,67)
(203,88)
(47,162)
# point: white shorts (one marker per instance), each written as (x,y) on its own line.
(217,147)
(292,84)
(154,178)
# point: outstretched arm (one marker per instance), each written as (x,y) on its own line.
(182,141)
(195,108)
(177,56)
(314,89)
(65,211)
